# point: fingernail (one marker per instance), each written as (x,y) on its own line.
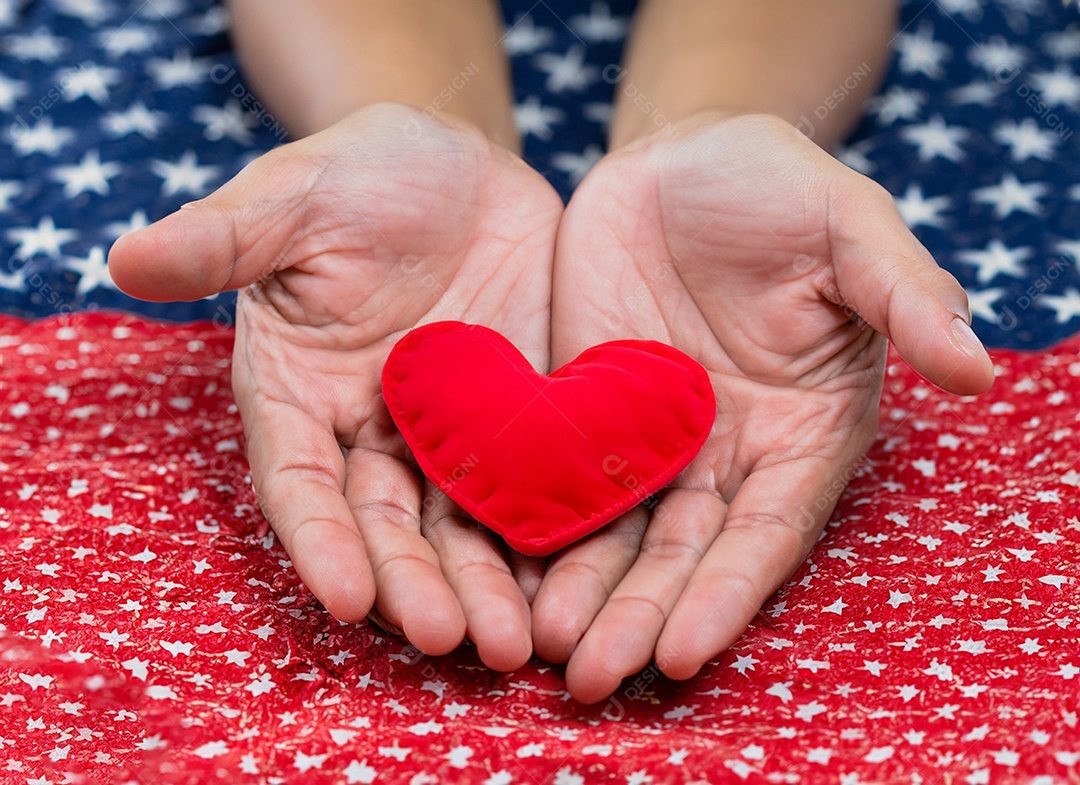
(959,305)
(966,338)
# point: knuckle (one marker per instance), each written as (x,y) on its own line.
(669,549)
(640,607)
(385,511)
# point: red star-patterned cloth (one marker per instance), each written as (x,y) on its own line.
(152,631)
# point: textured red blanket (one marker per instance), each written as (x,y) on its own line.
(155,633)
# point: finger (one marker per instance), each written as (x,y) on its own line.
(886,275)
(384,495)
(528,571)
(622,638)
(496,612)
(579,581)
(772,523)
(233,237)
(299,475)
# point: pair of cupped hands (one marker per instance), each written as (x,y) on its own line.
(731,237)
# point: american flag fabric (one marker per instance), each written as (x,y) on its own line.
(152,630)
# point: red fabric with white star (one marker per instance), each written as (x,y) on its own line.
(154,632)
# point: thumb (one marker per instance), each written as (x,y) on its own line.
(233,237)
(886,275)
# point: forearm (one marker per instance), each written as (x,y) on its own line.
(313,63)
(812,62)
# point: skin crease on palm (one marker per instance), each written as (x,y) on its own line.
(732,238)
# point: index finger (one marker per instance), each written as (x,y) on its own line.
(299,476)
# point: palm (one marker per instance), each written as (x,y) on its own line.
(725,257)
(354,236)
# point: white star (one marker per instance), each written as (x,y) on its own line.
(837,607)
(598,112)
(137,667)
(177,647)
(998,57)
(972,646)
(213,22)
(1068,672)
(90,174)
(996,260)
(1010,195)
(920,53)
(359,772)
(43,137)
(126,40)
(577,165)
(137,221)
(304,762)
(807,711)
(946,712)
(934,139)
(1030,646)
(90,11)
(1026,139)
(135,119)
(180,71)
(1070,248)
(184,176)
(523,37)
(458,757)
(45,238)
(677,757)
(424,728)
(781,690)
(211,749)
(897,103)
(980,93)
(898,598)
(261,685)
(743,663)
(39,45)
(854,157)
(1060,87)
(917,210)
(92,80)
(9,189)
(972,9)
(567,71)
(236,657)
(114,638)
(819,755)
(873,666)
(1066,306)
(599,24)
(231,121)
(10,92)
(533,118)
(1063,44)
(991,574)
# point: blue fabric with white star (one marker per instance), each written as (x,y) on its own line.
(115,114)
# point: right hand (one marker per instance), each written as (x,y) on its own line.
(352,236)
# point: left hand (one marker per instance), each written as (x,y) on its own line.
(783,272)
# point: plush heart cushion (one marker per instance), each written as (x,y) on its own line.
(545,460)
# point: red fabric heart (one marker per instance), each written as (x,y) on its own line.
(545,460)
